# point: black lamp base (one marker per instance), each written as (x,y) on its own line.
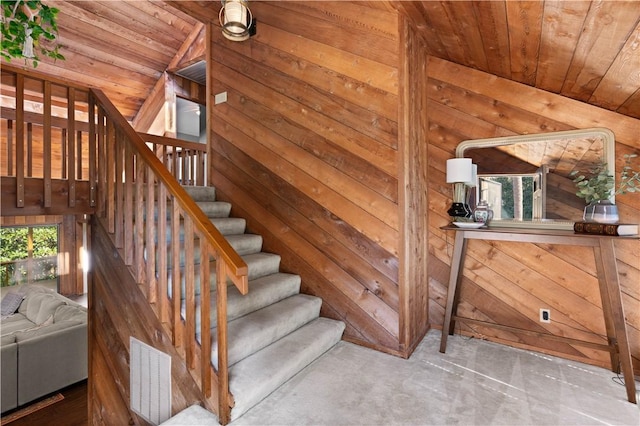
(459,210)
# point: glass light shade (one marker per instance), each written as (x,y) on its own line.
(459,170)
(235,18)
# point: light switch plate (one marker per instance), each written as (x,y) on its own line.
(220,98)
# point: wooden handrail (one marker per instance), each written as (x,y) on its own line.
(236,264)
(165,140)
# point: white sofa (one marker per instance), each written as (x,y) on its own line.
(43,346)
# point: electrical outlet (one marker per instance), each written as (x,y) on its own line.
(545,315)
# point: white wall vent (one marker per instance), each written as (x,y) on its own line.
(149,382)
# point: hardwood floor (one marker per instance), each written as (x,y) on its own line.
(71,411)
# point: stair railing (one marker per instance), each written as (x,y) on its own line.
(139,197)
(187,161)
(67,148)
(47,165)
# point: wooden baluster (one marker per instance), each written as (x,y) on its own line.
(79,164)
(184,175)
(20,141)
(46,135)
(92,152)
(63,151)
(189,272)
(178,332)
(165,160)
(150,235)
(9,147)
(119,190)
(174,160)
(162,253)
(201,168)
(223,359)
(71,134)
(205,318)
(111,176)
(102,163)
(139,225)
(29,150)
(128,204)
(192,167)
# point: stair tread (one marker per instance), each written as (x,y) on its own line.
(258,375)
(260,328)
(201,193)
(258,264)
(245,243)
(214,209)
(263,291)
(229,225)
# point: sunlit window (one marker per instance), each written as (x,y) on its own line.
(28,254)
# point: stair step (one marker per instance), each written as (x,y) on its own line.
(258,265)
(226,225)
(259,329)
(229,225)
(215,209)
(255,377)
(243,244)
(263,291)
(201,193)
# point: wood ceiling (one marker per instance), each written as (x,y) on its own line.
(585,50)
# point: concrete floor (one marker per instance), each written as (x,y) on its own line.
(475,383)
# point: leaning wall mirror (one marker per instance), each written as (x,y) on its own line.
(528,177)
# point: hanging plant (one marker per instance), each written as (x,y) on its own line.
(29,28)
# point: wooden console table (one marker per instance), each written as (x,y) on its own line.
(607,271)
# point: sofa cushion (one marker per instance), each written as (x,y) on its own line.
(70,313)
(45,330)
(10,303)
(40,306)
(7,339)
(16,323)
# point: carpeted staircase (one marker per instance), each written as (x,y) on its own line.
(273,331)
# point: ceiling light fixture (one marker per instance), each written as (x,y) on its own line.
(236,20)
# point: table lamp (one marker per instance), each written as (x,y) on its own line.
(460,174)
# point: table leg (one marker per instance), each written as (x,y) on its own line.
(457,264)
(606,309)
(609,279)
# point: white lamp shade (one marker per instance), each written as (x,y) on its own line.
(459,170)
(474,176)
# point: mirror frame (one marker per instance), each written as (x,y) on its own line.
(607,136)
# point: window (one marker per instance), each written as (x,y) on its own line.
(28,254)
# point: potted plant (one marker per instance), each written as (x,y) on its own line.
(597,187)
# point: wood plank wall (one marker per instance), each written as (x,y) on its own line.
(310,149)
(120,310)
(306,147)
(508,283)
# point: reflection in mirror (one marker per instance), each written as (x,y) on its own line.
(529,177)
